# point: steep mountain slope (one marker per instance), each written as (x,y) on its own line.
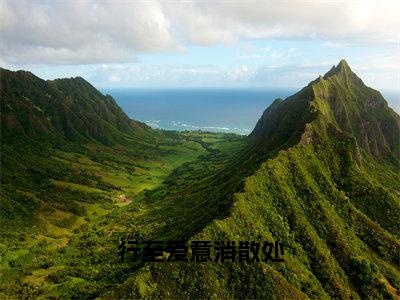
(328,190)
(345,103)
(61,111)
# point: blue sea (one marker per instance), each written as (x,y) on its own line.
(217,109)
(220,110)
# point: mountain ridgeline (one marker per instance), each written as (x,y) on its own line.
(326,185)
(319,173)
(337,102)
(60,111)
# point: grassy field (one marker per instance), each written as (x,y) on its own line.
(103,194)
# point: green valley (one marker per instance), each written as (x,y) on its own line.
(319,173)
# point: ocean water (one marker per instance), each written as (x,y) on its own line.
(220,110)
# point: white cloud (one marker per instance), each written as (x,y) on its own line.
(255,52)
(83,32)
(359,21)
(78,32)
(242,73)
(293,52)
(157,75)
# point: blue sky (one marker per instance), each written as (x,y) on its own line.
(201,43)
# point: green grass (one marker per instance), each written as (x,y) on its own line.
(75,186)
(98,185)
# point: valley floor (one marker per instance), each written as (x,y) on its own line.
(76,222)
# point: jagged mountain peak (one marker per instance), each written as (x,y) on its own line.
(342,67)
(339,99)
(343,71)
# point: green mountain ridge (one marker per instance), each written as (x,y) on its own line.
(62,110)
(327,187)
